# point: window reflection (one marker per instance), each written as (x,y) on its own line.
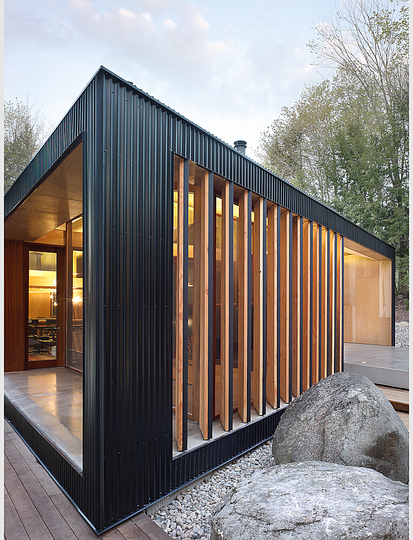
(74,352)
(42,306)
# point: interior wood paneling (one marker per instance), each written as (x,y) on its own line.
(259,277)
(306,328)
(226,307)
(316,307)
(325,257)
(272,300)
(367,300)
(15,305)
(285,307)
(193,410)
(332,311)
(244,306)
(296,310)
(340,269)
(205,361)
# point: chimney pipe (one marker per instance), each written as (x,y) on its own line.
(240,146)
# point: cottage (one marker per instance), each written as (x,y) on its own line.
(192,293)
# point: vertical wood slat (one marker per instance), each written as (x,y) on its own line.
(272,307)
(227,271)
(296,311)
(244,307)
(285,308)
(182,308)
(206,302)
(316,303)
(260,300)
(307,285)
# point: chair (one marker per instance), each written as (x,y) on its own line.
(34,342)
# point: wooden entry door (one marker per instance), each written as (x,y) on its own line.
(45,306)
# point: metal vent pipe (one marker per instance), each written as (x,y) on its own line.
(240,146)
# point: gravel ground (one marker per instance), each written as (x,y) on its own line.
(402,334)
(188,515)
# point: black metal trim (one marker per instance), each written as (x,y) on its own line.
(49,455)
(215,453)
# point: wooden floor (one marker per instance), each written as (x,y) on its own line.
(36,509)
(398,397)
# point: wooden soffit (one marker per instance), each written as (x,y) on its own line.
(56,200)
(352,248)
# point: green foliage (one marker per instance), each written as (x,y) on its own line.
(23,135)
(346,140)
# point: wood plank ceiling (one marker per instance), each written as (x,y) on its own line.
(56,200)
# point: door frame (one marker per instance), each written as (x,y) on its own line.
(60,312)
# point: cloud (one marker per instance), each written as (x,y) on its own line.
(178,43)
(225,76)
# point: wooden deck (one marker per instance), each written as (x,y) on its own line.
(35,508)
(398,397)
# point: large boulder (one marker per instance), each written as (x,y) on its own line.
(313,500)
(344,419)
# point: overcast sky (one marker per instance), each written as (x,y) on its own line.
(227,65)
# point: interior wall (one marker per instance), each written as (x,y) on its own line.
(14,306)
(367,300)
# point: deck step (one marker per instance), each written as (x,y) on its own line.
(398,398)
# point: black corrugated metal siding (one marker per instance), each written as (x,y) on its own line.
(129,143)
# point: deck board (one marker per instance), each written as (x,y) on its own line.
(35,508)
(398,397)
(13,527)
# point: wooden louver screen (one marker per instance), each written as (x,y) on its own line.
(287,274)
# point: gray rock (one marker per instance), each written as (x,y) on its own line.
(313,500)
(344,419)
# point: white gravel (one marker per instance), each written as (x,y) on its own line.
(402,334)
(188,515)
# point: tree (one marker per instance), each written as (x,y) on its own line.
(368,41)
(346,140)
(23,135)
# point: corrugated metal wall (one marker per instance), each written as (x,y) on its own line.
(129,142)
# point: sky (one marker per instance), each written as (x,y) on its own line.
(227,65)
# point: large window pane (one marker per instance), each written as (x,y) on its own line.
(74,353)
